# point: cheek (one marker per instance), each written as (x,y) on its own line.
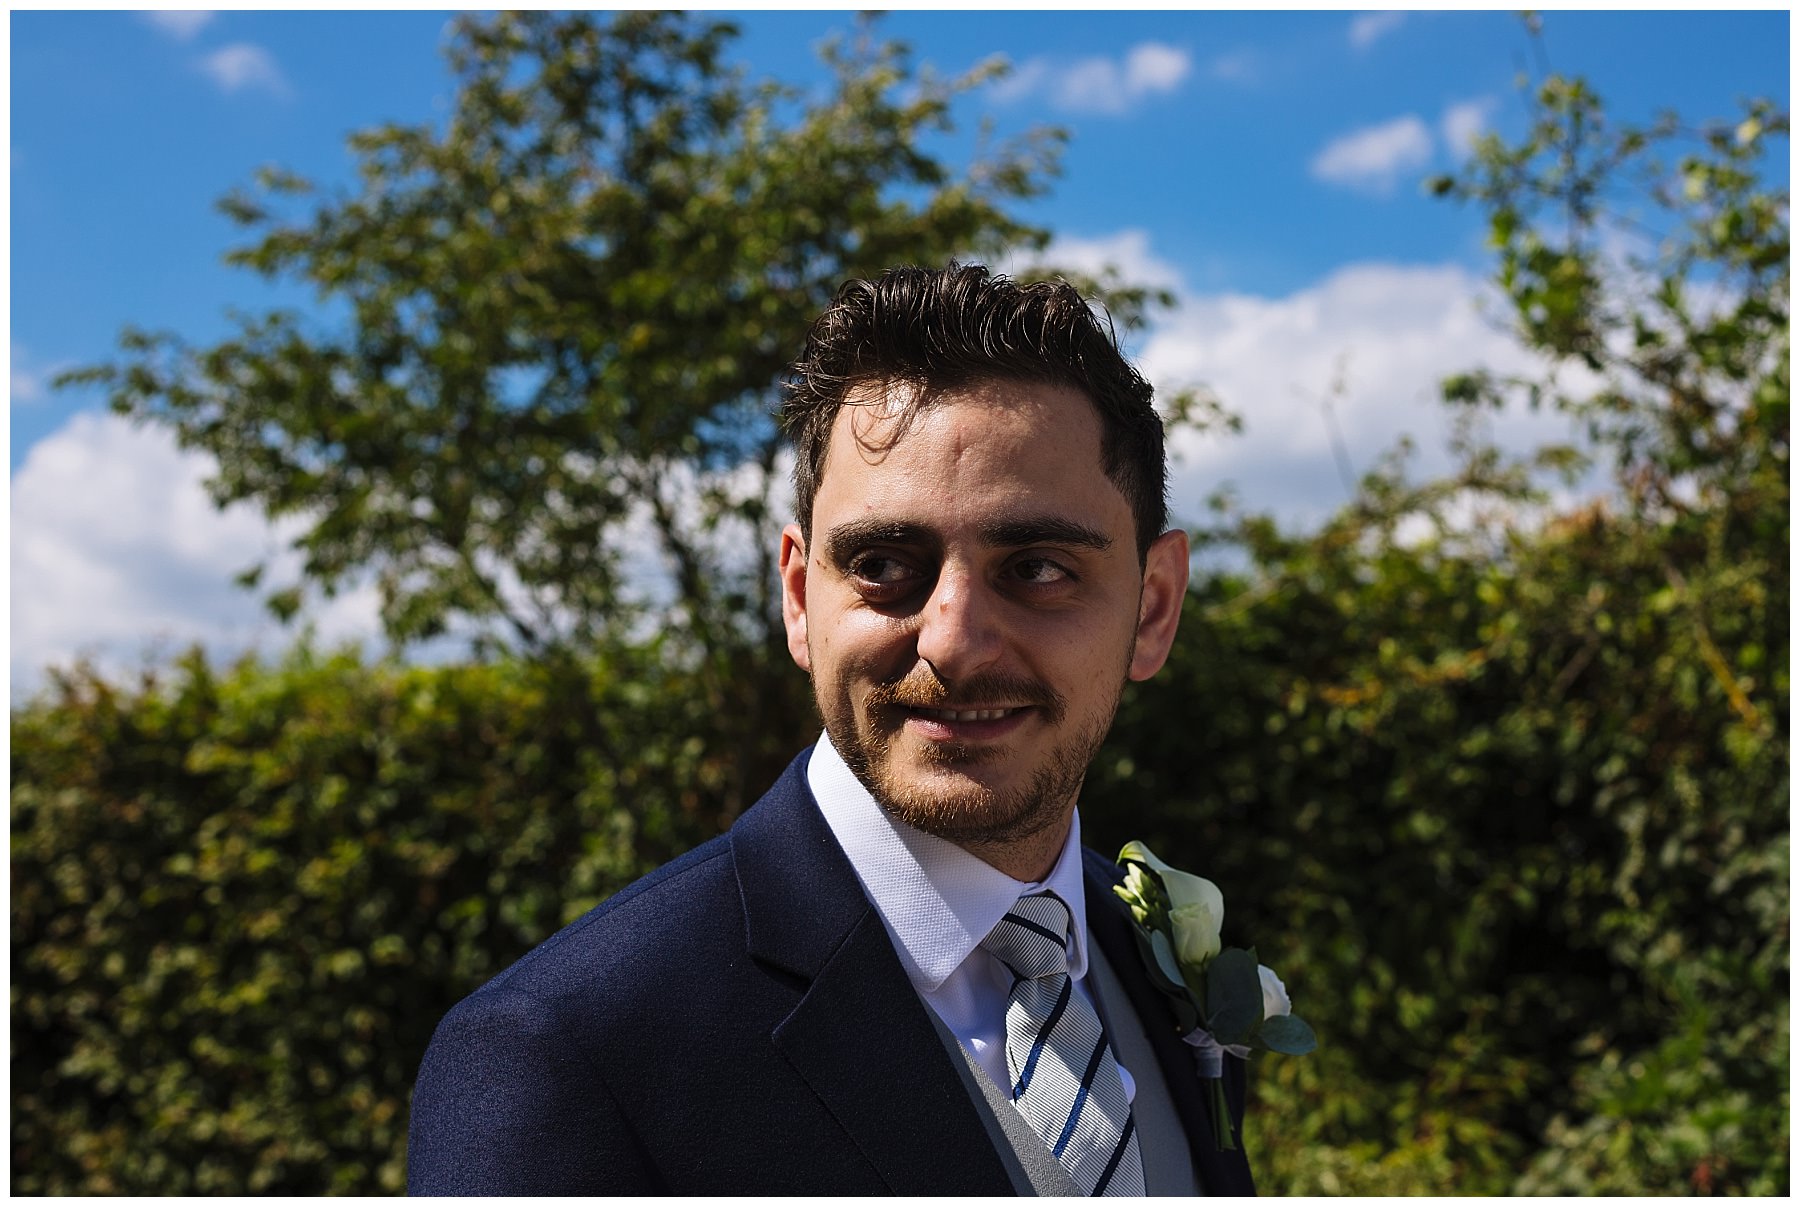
(1085,638)
(862,649)
(1093,663)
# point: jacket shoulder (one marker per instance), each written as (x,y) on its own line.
(662,912)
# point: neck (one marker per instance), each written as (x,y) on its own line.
(1027,858)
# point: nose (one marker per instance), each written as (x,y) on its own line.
(960,627)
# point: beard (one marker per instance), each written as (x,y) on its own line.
(960,809)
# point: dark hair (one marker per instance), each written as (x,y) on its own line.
(947,329)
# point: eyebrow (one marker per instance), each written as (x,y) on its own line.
(1006,533)
(1043,530)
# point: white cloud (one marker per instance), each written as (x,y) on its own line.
(1373,158)
(117,553)
(1237,67)
(244,65)
(1374,339)
(1091,86)
(1154,67)
(1368,28)
(1100,84)
(180,25)
(26,385)
(127,561)
(1463,123)
(1021,81)
(29,383)
(1128,251)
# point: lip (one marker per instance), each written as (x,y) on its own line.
(964,724)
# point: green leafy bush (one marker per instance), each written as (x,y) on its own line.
(1510,785)
(1520,854)
(241,902)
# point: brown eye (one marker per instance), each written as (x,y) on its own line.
(881,576)
(1040,570)
(880,569)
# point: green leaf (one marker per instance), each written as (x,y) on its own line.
(1187,1014)
(1287,1034)
(284,603)
(1165,960)
(1233,996)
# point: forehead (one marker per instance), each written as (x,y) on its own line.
(990,444)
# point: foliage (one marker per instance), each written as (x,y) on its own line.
(1519,843)
(1513,781)
(242,901)
(566,315)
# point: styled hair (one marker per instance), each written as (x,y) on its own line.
(960,326)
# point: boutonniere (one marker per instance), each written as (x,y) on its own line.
(1224,1001)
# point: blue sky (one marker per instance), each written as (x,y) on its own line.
(1265,166)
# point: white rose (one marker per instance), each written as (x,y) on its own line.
(1275,996)
(1196,907)
(1196,930)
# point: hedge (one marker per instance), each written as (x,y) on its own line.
(1512,822)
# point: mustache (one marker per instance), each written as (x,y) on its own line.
(923,689)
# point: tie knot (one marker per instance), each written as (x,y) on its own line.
(1033,938)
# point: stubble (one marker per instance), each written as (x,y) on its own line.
(955,807)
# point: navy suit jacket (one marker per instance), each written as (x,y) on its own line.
(737,1022)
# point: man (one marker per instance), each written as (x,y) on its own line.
(898,972)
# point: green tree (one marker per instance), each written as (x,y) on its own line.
(1506,783)
(1677,592)
(564,315)
(534,402)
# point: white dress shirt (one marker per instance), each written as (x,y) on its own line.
(938,902)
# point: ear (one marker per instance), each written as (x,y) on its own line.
(793,594)
(1159,610)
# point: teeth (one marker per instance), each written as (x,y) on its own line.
(980,714)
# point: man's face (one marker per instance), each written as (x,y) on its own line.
(972,604)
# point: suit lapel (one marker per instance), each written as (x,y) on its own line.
(859,1035)
(1109,925)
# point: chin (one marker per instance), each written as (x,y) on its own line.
(975,816)
(945,792)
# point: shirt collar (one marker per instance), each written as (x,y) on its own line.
(937,901)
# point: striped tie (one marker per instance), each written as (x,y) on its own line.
(1065,1081)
